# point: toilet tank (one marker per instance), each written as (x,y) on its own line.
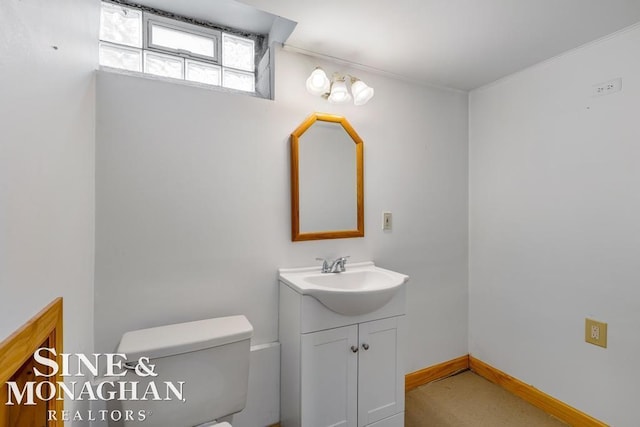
(209,357)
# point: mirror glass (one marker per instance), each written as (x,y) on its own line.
(326,171)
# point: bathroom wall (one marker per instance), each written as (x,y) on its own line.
(554,229)
(47,97)
(193,205)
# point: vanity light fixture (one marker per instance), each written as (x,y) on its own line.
(318,83)
(336,90)
(339,93)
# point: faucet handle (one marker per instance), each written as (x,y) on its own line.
(343,259)
(325,264)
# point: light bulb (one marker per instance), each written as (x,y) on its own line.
(318,83)
(339,93)
(361,92)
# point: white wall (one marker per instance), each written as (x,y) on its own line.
(554,229)
(193,208)
(47,163)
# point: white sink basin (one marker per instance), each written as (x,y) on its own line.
(361,289)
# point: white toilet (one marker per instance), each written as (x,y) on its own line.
(210,357)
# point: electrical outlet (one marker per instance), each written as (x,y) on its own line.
(595,332)
(606,88)
(387,221)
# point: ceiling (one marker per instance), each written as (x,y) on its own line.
(462,44)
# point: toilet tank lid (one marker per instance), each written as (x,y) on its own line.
(170,340)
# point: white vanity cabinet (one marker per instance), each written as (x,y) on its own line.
(340,370)
(351,376)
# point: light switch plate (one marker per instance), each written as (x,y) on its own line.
(387,221)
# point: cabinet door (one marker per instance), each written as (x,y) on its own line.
(380,379)
(329,375)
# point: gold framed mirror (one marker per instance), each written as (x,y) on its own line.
(327,167)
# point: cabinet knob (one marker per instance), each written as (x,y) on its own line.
(365,346)
(354,348)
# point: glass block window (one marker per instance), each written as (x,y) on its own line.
(202,72)
(121,25)
(137,40)
(122,57)
(238,52)
(163,65)
(238,80)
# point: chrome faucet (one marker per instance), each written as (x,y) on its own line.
(336,266)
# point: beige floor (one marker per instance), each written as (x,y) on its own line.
(468,400)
